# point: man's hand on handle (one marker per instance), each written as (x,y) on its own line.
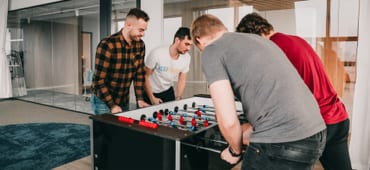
(142,103)
(116,109)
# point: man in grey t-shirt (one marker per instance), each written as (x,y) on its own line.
(285,128)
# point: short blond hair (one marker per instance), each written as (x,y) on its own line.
(206,25)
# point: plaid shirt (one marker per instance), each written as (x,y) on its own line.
(117,64)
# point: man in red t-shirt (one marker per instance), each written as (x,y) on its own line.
(311,69)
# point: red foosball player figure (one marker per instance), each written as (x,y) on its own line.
(182,122)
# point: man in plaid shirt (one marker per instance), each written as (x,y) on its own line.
(119,61)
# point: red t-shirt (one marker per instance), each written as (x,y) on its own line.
(311,69)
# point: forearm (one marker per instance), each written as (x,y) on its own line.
(148,88)
(223,100)
(139,90)
(231,133)
(139,82)
(180,89)
(181,85)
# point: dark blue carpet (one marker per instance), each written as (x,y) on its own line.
(42,145)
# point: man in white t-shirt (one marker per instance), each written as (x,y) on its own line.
(164,66)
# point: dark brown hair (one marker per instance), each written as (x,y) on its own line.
(255,24)
(138,13)
(182,33)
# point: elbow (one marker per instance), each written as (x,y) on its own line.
(230,124)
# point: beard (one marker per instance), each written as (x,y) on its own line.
(181,52)
(134,37)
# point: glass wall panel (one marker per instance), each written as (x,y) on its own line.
(56,42)
(14,51)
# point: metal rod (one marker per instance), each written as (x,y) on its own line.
(201,147)
(213,140)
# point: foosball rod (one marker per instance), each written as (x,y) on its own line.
(213,140)
(184,115)
(172,123)
(210,108)
(185,109)
(202,147)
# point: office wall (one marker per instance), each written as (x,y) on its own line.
(51,55)
(154,34)
(37,54)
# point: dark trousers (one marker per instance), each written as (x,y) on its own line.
(295,155)
(166,96)
(336,155)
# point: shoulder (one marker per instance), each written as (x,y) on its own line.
(112,38)
(108,42)
(282,36)
(141,42)
(233,38)
(186,56)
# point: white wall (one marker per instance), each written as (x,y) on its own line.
(171,26)
(311,18)
(282,20)
(154,34)
(360,138)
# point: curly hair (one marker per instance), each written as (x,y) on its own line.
(255,24)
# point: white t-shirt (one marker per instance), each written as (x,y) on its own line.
(165,69)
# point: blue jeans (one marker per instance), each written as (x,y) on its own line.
(297,155)
(99,107)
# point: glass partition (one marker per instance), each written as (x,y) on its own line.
(56,43)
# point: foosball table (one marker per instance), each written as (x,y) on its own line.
(175,135)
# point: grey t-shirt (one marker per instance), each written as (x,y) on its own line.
(275,99)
